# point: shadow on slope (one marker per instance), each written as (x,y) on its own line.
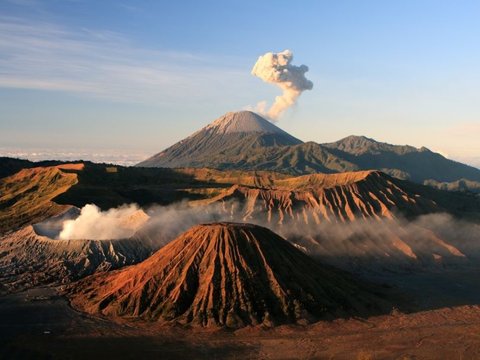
(38,324)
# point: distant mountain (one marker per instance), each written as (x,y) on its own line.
(227,137)
(405,161)
(458,185)
(359,145)
(246,141)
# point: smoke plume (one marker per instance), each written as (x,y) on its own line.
(398,243)
(167,222)
(94,224)
(429,240)
(276,68)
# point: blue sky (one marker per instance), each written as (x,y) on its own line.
(115,77)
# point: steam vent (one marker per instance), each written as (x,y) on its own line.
(226,274)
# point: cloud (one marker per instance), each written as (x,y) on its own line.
(110,156)
(276,68)
(104,64)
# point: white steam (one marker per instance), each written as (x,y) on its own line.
(276,68)
(429,240)
(94,224)
(434,239)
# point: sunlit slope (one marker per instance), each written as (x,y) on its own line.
(26,196)
(32,195)
(226,274)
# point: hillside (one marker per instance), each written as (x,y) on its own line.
(313,199)
(33,195)
(245,141)
(418,165)
(351,220)
(27,196)
(29,259)
(226,274)
(10,166)
(228,136)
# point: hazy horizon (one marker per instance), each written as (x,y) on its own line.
(77,83)
(124,157)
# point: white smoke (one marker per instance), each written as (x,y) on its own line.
(434,239)
(94,224)
(276,68)
(167,222)
(429,240)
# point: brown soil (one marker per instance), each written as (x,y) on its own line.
(227,274)
(26,197)
(313,199)
(39,325)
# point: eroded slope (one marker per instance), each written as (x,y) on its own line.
(227,274)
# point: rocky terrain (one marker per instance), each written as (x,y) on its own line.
(228,274)
(39,324)
(231,134)
(26,196)
(395,254)
(28,259)
(356,221)
(38,254)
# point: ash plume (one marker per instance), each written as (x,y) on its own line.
(276,68)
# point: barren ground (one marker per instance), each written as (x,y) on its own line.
(38,324)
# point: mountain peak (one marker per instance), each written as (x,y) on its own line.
(358,145)
(242,122)
(359,137)
(357,140)
(232,134)
(226,274)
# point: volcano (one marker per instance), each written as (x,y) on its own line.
(246,141)
(227,136)
(29,259)
(226,274)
